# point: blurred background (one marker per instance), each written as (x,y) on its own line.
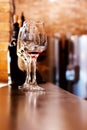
(64,63)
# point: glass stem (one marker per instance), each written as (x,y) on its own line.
(28,68)
(34,62)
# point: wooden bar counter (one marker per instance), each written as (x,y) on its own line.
(54,109)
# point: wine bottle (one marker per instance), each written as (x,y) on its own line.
(17,76)
(22,18)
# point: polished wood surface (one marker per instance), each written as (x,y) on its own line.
(54,109)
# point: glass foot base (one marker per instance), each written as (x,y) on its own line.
(31,88)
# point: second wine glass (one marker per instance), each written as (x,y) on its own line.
(24,61)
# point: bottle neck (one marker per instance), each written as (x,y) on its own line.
(22,18)
(15,31)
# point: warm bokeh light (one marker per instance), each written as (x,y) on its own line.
(52,0)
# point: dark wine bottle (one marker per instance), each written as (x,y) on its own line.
(17,76)
(22,18)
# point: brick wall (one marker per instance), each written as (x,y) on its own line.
(4,37)
(59,15)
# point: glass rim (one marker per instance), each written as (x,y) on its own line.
(30,21)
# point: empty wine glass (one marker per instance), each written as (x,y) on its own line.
(34,43)
(23,56)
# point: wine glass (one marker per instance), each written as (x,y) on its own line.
(35,42)
(23,57)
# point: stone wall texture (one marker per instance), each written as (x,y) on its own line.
(58,15)
(4,37)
